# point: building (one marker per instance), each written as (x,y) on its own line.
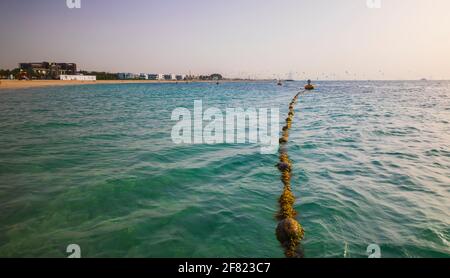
(65,68)
(78,77)
(45,70)
(127,76)
(143,76)
(155,76)
(180,77)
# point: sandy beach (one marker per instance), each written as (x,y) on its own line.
(23,84)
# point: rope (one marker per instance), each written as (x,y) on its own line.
(289,232)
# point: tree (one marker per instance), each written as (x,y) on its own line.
(16,73)
(216,76)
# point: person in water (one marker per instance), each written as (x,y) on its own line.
(309,82)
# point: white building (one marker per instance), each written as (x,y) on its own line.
(143,76)
(127,75)
(155,76)
(78,77)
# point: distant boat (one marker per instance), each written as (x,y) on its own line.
(289,80)
(423,79)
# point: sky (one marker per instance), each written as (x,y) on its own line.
(317,39)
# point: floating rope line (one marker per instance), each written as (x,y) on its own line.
(289,231)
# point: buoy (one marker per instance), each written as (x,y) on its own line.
(288,231)
(283,166)
(283,140)
(309,87)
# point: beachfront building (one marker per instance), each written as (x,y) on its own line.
(170,76)
(155,76)
(127,76)
(46,70)
(180,77)
(152,76)
(78,77)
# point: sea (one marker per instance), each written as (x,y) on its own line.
(96,166)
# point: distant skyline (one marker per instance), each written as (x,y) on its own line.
(403,39)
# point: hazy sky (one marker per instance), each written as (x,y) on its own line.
(404,39)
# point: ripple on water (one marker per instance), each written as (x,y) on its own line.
(95,165)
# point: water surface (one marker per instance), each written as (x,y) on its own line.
(95,165)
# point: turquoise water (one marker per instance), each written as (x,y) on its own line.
(95,166)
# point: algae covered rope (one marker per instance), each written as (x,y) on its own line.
(289,231)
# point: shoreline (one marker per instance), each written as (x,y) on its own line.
(25,84)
